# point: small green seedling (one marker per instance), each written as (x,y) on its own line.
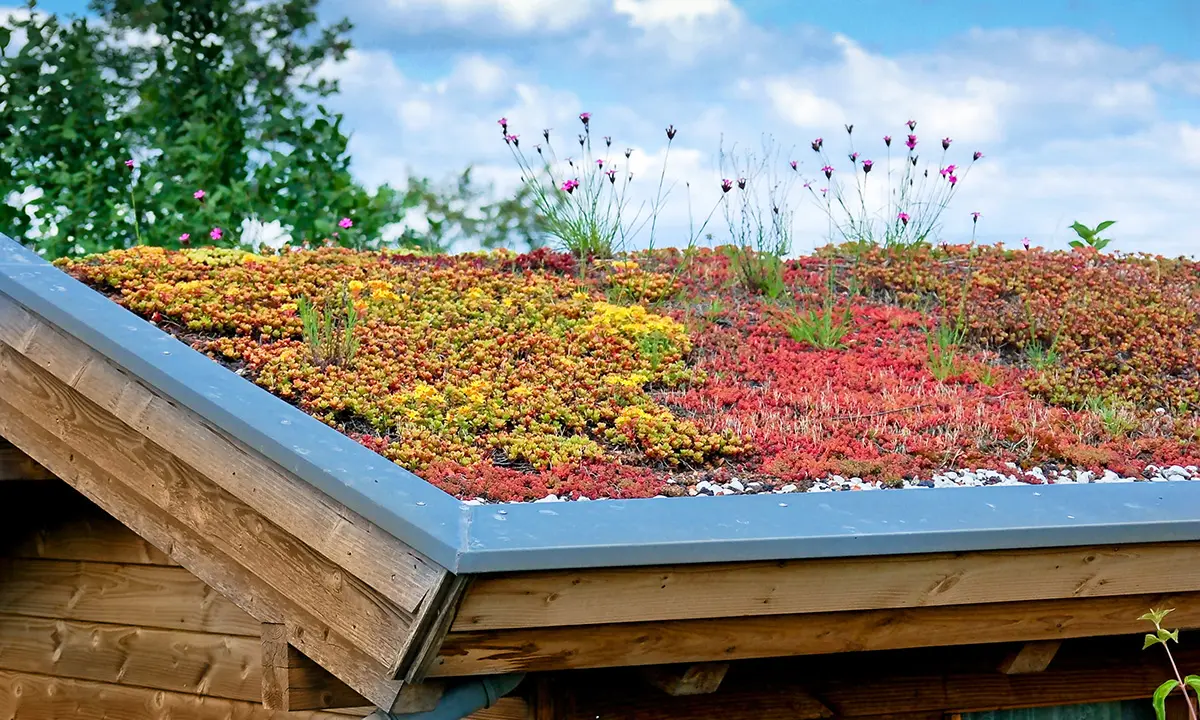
(1162,636)
(1090,237)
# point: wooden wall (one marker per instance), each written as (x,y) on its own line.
(96,622)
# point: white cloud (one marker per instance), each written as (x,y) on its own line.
(507,15)
(1072,127)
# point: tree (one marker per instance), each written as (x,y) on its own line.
(222,96)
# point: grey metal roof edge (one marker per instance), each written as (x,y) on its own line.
(399,502)
(536,536)
(664,531)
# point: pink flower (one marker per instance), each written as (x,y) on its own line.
(867,165)
(953,179)
(199,194)
(512,140)
(129,163)
(185,238)
(793,164)
(946,143)
(345,223)
(902,217)
(726,185)
(824,191)
(808,185)
(600,163)
(912,125)
(585,118)
(215,234)
(612,175)
(828,171)
(977,155)
(853,157)
(887,140)
(1025,242)
(503,123)
(975,217)
(816,144)
(569,186)
(949,169)
(911,144)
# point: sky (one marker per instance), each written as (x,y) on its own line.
(1084,110)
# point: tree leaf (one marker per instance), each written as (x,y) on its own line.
(1105,225)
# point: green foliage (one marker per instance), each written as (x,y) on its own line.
(759,272)
(1119,417)
(761,236)
(223,96)
(822,329)
(942,343)
(1162,636)
(1090,237)
(330,334)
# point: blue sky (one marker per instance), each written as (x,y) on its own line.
(1084,109)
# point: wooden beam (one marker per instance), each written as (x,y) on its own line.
(419,697)
(293,569)
(1032,657)
(605,596)
(24,695)
(380,560)
(260,600)
(677,680)
(136,595)
(75,530)
(726,639)
(291,681)
(219,666)
(16,465)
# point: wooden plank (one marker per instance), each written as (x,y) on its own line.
(720,640)
(142,595)
(1031,657)
(16,465)
(25,695)
(508,708)
(217,570)
(188,662)
(74,530)
(291,681)
(678,680)
(380,560)
(436,623)
(418,697)
(596,597)
(307,579)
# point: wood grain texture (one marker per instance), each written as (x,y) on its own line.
(215,569)
(25,695)
(291,681)
(140,595)
(291,568)
(604,596)
(16,465)
(380,560)
(187,662)
(75,530)
(1031,657)
(677,680)
(809,634)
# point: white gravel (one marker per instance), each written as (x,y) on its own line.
(951,478)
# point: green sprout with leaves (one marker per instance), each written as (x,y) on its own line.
(1162,636)
(1090,237)
(330,334)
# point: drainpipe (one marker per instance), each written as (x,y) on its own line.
(462,699)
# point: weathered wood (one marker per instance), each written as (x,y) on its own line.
(576,597)
(436,622)
(509,708)
(141,595)
(75,530)
(1031,657)
(38,696)
(380,560)
(291,681)
(217,570)
(16,465)
(293,569)
(725,639)
(677,680)
(199,663)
